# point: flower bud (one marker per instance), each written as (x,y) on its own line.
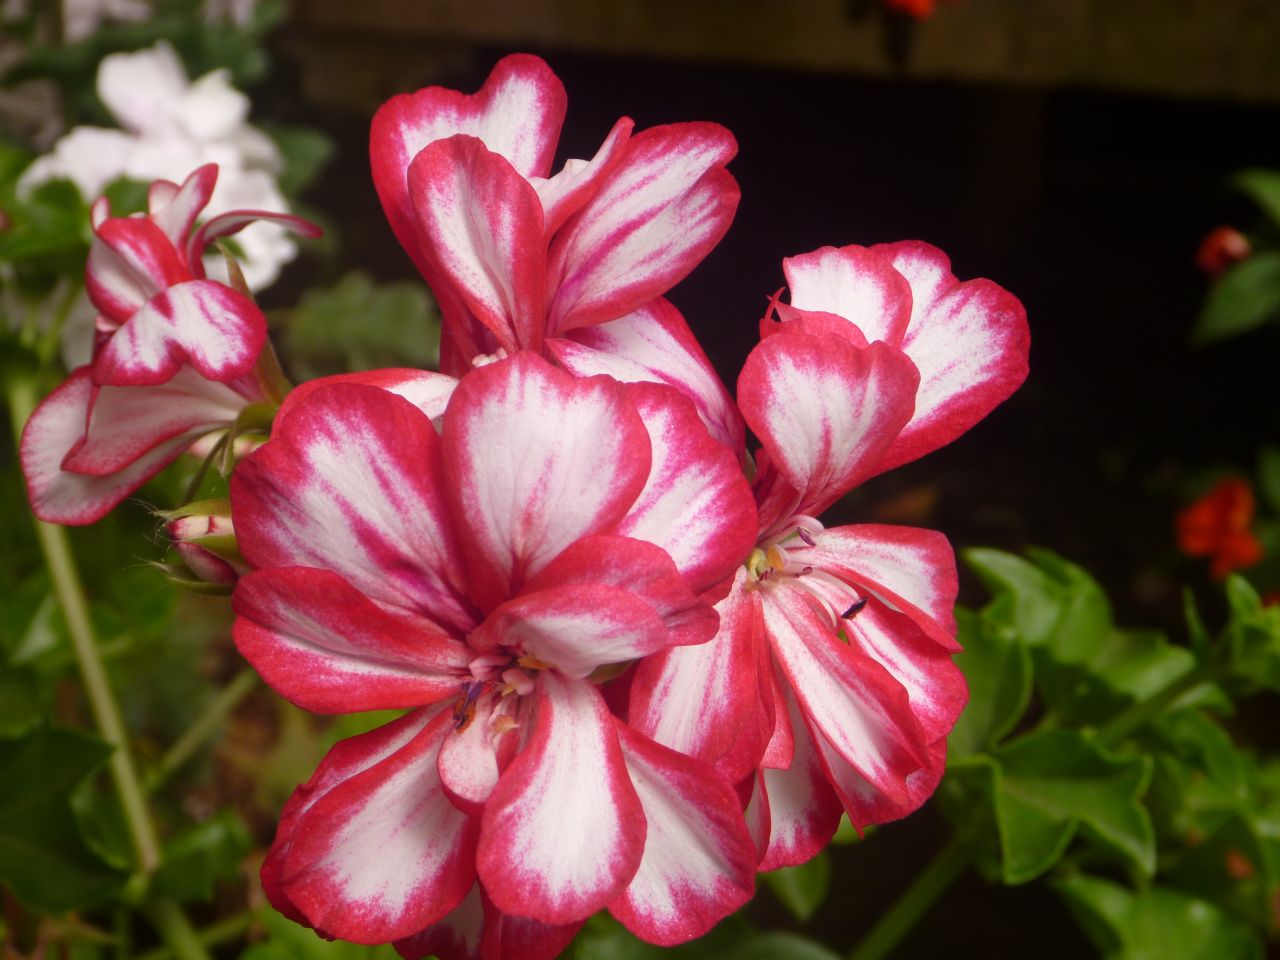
(205,539)
(1220,248)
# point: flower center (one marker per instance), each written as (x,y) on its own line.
(788,558)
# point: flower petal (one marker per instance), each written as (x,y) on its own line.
(661,211)
(425,389)
(469,764)
(536,459)
(577,182)
(867,803)
(477,930)
(969,340)
(696,504)
(699,861)
(218,331)
(481,228)
(825,410)
(233,221)
(130,261)
(564,831)
(174,209)
(326,647)
(711,701)
(517,113)
(855,283)
(654,344)
(351,482)
(383,853)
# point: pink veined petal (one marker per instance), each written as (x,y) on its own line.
(663,209)
(577,182)
(534,460)
(711,701)
(825,410)
(517,113)
(696,504)
(351,482)
(425,389)
(699,861)
(783,318)
(574,629)
(969,340)
(564,831)
(174,209)
(849,698)
(233,221)
(159,192)
(481,227)
(216,330)
(654,344)
(56,428)
(644,571)
(384,853)
(854,283)
(477,930)
(795,810)
(326,647)
(913,570)
(866,803)
(469,764)
(130,261)
(124,423)
(935,686)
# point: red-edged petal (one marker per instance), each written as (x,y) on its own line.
(867,803)
(854,283)
(130,261)
(233,221)
(699,861)
(174,209)
(825,410)
(711,701)
(578,181)
(383,853)
(326,647)
(425,389)
(913,569)
(216,330)
(469,764)
(661,211)
(517,113)
(782,318)
(796,809)
(481,227)
(969,340)
(564,831)
(477,930)
(56,428)
(644,571)
(536,459)
(850,699)
(574,629)
(696,504)
(654,344)
(351,482)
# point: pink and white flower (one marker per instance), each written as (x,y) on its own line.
(173,360)
(488,578)
(830,685)
(572,264)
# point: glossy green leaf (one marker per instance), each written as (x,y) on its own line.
(1245,297)
(287,940)
(44,859)
(998,670)
(1263,187)
(802,889)
(1252,636)
(1155,924)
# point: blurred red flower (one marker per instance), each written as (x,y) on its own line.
(1220,248)
(916,9)
(1217,526)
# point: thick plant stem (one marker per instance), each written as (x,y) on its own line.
(75,610)
(915,901)
(204,727)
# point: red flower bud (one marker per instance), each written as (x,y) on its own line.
(1220,248)
(205,539)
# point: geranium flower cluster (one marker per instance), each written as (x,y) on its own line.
(636,668)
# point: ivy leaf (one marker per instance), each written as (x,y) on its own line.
(44,859)
(287,940)
(803,888)
(1245,297)
(1252,636)
(998,670)
(1156,923)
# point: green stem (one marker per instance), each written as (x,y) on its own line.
(915,901)
(1126,722)
(102,702)
(205,726)
(180,938)
(221,932)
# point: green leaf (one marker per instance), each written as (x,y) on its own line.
(305,152)
(287,940)
(1252,636)
(1263,187)
(44,859)
(1155,924)
(998,670)
(199,857)
(603,938)
(1245,297)
(803,888)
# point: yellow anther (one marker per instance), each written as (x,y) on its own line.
(756,562)
(533,663)
(777,559)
